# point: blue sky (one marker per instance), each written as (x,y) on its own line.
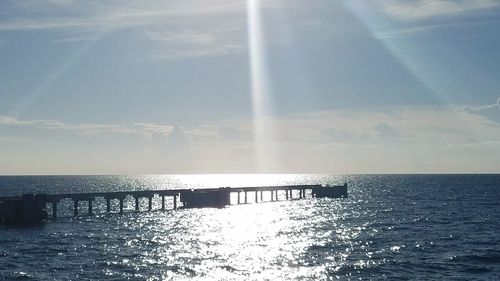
(149,87)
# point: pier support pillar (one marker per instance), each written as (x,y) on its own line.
(137,204)
(121,205)
(163,202)
(108,205)
(54,210)
(291,194)
(239,197)
(272,195)
(246,201)
(175,202)
(90,208)
(256,196)
(75,209)
(150,203)
(261,195)
(286,192)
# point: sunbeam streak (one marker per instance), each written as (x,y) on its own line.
(260,88)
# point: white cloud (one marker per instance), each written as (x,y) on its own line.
(186,36)
(75,39)
(407,139)
(154,128)
(387,132)
(429,28)
(194,43)
(88,129)
(422,9)
(490,111)
(118,15)
(184,29)
(480,108)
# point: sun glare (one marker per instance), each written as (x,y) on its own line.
(260,88)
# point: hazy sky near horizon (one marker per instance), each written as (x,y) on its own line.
(164,87)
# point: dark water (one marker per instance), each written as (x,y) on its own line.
(414,227)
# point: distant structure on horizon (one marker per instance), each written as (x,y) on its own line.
(31,209)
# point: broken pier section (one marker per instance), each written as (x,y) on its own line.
(31,208)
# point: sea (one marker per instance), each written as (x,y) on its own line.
(395,227)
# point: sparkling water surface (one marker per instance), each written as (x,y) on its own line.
(401,227)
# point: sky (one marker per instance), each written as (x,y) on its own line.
(249,86)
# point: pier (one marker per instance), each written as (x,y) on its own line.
(32,208)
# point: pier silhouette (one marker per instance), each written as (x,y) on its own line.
(32,208)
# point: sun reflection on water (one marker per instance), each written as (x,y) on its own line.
(269,241)
(310,239)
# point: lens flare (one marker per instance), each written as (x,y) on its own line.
(260,88)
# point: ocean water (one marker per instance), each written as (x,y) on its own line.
(400,227)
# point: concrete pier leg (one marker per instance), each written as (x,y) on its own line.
(108,205)
(261,195)
(291,194)
(256,197)
(163,203)
(121,205)
(90,208)
(246,201)
(175,202)
(75,209)
(54,210)
(272,195)
(137,204)
(150,203)
(239,197)
(286,192)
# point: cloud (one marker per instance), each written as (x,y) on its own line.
(86,129)
(429,28)
(194,43)
(176,30)
(32,3)
(105,17)
(399,139)
(177,139)
(490,111)
(423,9)
(230,133)
(186,36)
(386,132)
(481,108)
(75,39)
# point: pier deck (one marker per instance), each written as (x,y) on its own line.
(32,207)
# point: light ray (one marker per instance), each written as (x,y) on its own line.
(52,78)
(260,88)
(413,61)
(55,75)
